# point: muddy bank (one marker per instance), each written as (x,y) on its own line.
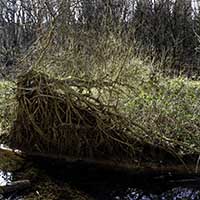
(14,169)
(60,180)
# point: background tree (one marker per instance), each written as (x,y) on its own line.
(164,29)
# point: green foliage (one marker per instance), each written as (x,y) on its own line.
(7,104)
(168,108)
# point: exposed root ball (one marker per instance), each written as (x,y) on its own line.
(53,116)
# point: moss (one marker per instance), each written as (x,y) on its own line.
(9,161)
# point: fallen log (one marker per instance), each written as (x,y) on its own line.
(108,168)
(86,171)
(133,167)
(112,169)
(15,186)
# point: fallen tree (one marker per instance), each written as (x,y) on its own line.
(53,117)
(98,170)
(15,186)
(69,118)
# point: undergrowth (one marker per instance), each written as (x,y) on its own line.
(7,104)
(169,109)
(159,110)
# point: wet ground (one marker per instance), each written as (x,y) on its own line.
(107,191)
(151,191)
(62,183)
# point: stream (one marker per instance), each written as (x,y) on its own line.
(103,186)
(114,186)
(141,191)
(117,191)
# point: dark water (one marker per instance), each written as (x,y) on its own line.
(118,187)
(5,178)
(119,192)
(103,189)
(108,190)
(178,193)
(115,186)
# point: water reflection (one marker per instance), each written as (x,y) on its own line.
(5,177)
(178,193)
